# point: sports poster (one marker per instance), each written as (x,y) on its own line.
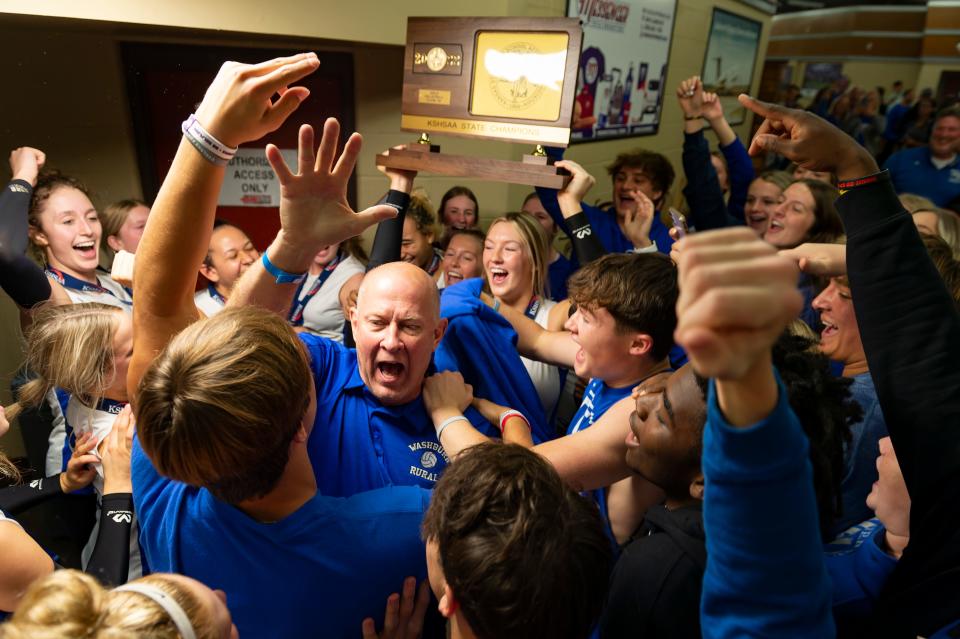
(623,67)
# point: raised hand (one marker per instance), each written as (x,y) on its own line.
(116,454)
(576,189)
(736,296)
(690,97)
(238,106)
(313,208)
(809,141)
(404,614)
(25,164)
(712,110)
(81,467)
(639,219)
(400,179)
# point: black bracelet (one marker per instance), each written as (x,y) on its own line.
(692,117)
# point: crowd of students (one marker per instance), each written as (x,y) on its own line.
(744,427)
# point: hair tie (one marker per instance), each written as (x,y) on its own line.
(165,601)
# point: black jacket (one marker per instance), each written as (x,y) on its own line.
(656,583)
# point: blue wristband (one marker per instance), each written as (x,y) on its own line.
(282,277)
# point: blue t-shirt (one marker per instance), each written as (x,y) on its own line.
(597,399)
(317,572)
(357,443)
(912,172)
(860,455)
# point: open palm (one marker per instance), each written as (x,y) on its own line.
(314,211)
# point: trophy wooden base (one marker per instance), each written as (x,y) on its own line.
(533,170)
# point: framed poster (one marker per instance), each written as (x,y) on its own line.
(729,61)
(623,66)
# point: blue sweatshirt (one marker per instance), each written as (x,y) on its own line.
(482,345)
(765,573)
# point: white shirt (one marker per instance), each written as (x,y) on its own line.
(545,377)
(323,315)
(207,303)
(117,295)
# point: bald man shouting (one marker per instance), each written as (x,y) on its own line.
(371,428)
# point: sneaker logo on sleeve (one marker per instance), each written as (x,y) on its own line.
(120,516)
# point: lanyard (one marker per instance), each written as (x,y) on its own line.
(69,281)
(533,308)
(111,406)
(434,264)
(300,304)
(215,295)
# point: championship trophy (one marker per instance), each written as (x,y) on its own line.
(509,79)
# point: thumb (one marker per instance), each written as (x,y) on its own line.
(280,110)
(376,214)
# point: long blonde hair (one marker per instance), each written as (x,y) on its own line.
(536,247)
(69,603)
(69,347)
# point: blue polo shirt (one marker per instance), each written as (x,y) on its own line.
(317,572)
(357,443)
(912,172)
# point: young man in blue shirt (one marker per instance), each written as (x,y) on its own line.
(932,171)
(635,175)
(619,336)
(223,482)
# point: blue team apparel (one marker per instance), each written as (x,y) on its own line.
(912,172)
(357,443)
(597,399)
(482,345)
(316,573)
(765,573)
(858,568)
(603,223)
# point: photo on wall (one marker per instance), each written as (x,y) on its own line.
(731,57)
(623,67)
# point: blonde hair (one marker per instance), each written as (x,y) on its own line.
(914,203)
(948,227)
(219,407)
(69,603)
(536,246)
(69,347)
(112,218)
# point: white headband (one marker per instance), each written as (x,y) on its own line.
(168,603)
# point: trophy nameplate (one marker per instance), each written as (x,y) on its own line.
(509,79)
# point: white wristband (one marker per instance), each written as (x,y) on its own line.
(447,422)
(512,413)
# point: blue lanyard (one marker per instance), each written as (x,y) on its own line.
(434,264)
(533,308)
(111,406)
(300,304)
(69,281)
(215,295)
